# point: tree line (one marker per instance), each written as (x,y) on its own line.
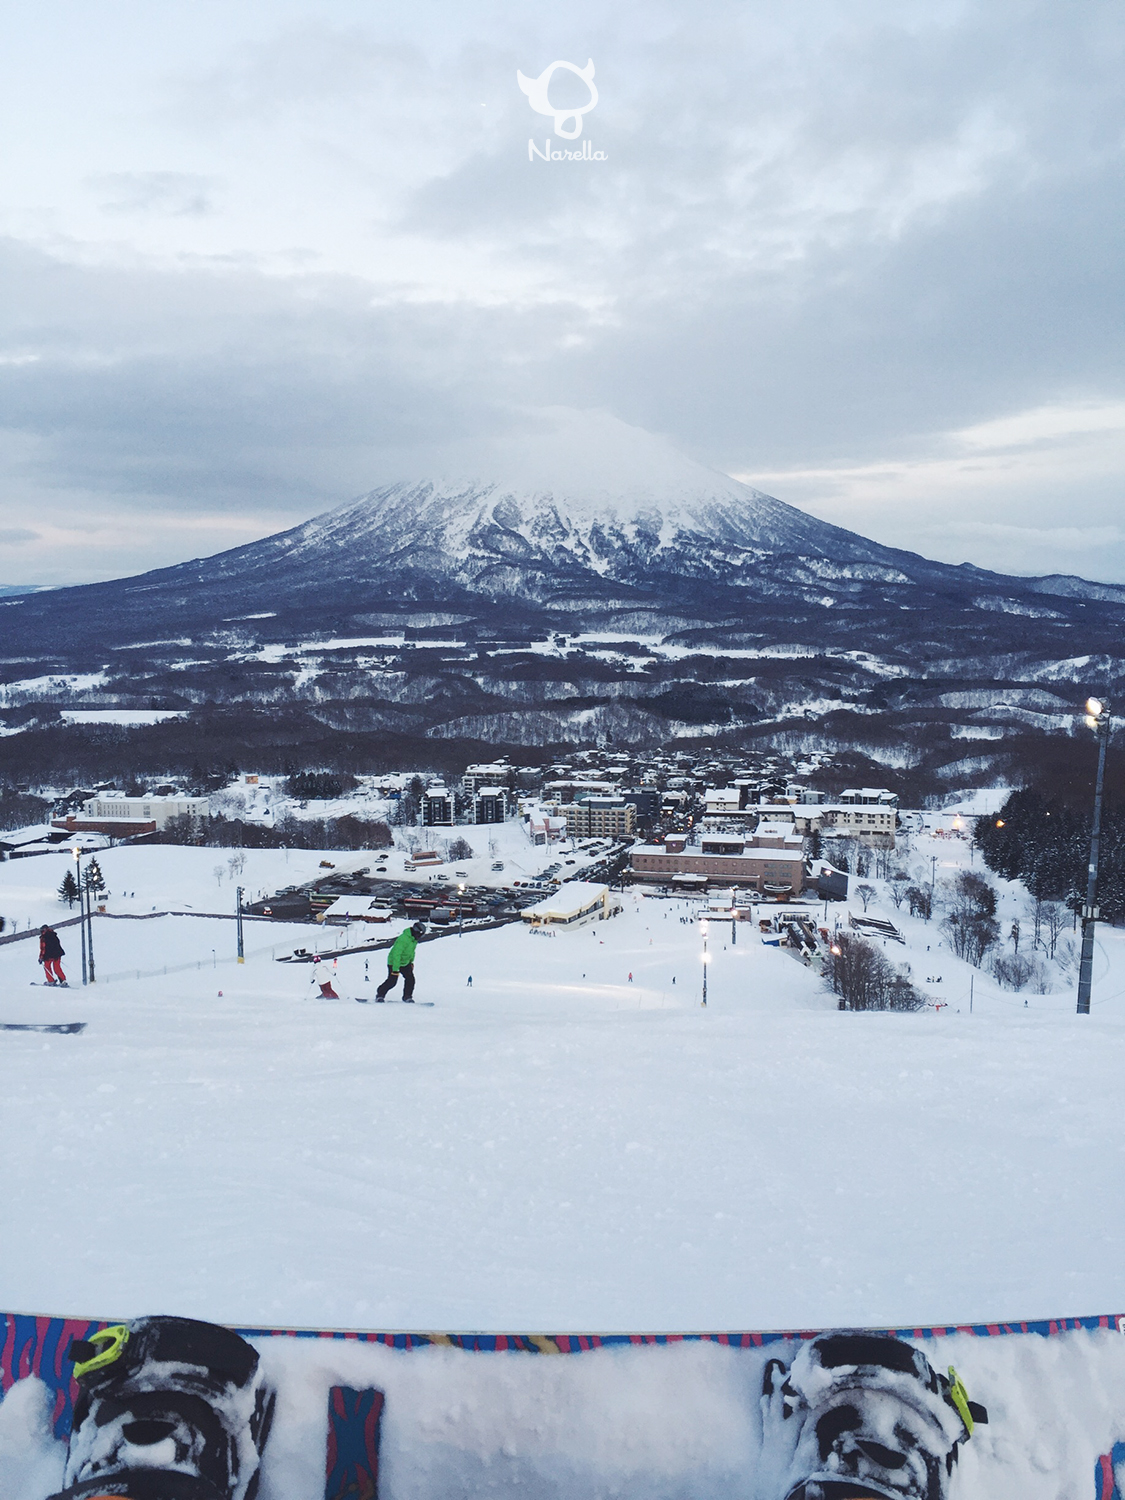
(1046,844)
(347,832)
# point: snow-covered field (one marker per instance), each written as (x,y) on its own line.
(558,1146)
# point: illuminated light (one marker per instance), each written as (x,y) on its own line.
(1095,707)
(835,950)
(1091,722)
(1000,822)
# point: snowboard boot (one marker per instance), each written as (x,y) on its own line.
(862,1416)
(167,1409)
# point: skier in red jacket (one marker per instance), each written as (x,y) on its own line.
(50,954)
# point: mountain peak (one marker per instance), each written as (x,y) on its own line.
(596,465)
(581,489)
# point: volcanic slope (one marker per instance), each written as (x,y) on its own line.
(459,607)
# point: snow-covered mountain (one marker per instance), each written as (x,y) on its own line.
(733,611)
(581,504)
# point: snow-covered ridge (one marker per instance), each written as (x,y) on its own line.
(593,493)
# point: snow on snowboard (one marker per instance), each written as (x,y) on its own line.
(165,1408)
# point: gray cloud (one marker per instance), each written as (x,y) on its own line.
(825,238)
(175,193)
(311,62)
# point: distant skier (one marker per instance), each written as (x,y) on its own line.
(50,955)
(323,976)
(400,960)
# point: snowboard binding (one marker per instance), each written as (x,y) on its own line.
(861,1416)
(167,1409)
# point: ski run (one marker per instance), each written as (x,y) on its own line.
(570,1143)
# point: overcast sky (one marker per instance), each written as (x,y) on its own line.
(257,256)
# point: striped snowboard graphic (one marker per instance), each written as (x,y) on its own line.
(352,1462)
(32,1345)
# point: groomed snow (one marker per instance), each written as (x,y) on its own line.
(556,1146)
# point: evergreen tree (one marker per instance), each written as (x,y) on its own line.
(1046,845)
(68,888)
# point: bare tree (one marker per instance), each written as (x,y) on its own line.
(865,979)
(219,871)
(970,923)
(899,884)
(1015,971)
(920,899)
(865,893)
(1035,907)
(1055,917)
(1012,971)
(236,864)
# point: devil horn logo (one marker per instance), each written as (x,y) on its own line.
(568,122)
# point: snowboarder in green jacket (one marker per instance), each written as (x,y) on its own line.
(400,960)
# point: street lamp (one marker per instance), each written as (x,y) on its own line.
(703,927)
(77,852)
(1097,718)
(93,875)
(461,910)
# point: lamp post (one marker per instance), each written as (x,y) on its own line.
(93,876)
(77,852)
(1097,717)
(703,927)
(460,910)
(238,925)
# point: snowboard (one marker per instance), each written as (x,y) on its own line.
(62,1028)
(626,1413)
(371,1000)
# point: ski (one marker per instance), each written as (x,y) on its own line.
(68,1028)
(41,984)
